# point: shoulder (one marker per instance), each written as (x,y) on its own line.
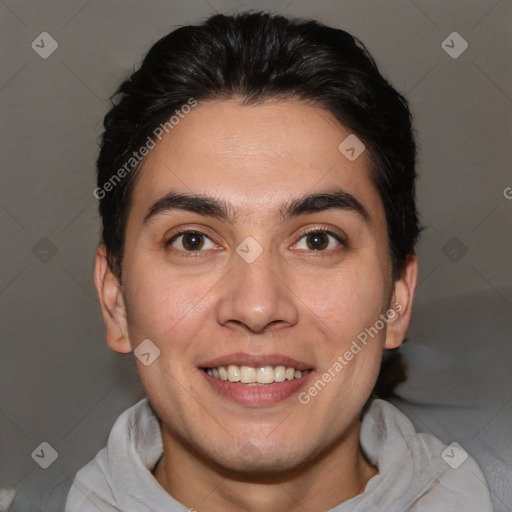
(90,490)
(96,485)
(459,483)
(430,475)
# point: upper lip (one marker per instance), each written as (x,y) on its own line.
(256,360)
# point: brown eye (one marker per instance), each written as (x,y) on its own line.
(317,241)
(192,241)
(189,241)
(320,240)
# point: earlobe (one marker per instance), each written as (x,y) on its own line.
(112,303)
(401,302)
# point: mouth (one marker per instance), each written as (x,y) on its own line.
(256,380)
(255,376)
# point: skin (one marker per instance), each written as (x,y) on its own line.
(307,304)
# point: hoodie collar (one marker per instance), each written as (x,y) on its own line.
(406,467)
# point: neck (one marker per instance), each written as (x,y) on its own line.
(340,473)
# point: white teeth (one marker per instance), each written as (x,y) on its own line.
(233,373)
(279,373)
(255,376)
(265,375)
(247,374)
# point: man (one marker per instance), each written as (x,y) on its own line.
(256,183)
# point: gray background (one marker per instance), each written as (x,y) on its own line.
(59,382)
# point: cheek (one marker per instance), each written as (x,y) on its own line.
(351,300)
(162,303)
(166,309)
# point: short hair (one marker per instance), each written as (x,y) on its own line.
(253,57)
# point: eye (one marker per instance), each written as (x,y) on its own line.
(190,241)
(318,240)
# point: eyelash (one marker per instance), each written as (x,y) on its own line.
(339,239)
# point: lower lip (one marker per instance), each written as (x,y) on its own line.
(257,395)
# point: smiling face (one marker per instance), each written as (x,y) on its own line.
(266,278)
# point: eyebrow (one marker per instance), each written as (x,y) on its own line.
(332,199)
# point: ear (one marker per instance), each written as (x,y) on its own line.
(401,303)
(112,303)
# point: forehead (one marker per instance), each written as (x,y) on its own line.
(257,157)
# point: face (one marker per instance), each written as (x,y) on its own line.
(265,285)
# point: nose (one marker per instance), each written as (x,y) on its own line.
(257,295)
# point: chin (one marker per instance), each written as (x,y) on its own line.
(259,470)
(259,463)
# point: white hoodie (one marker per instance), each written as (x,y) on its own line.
(417,472)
